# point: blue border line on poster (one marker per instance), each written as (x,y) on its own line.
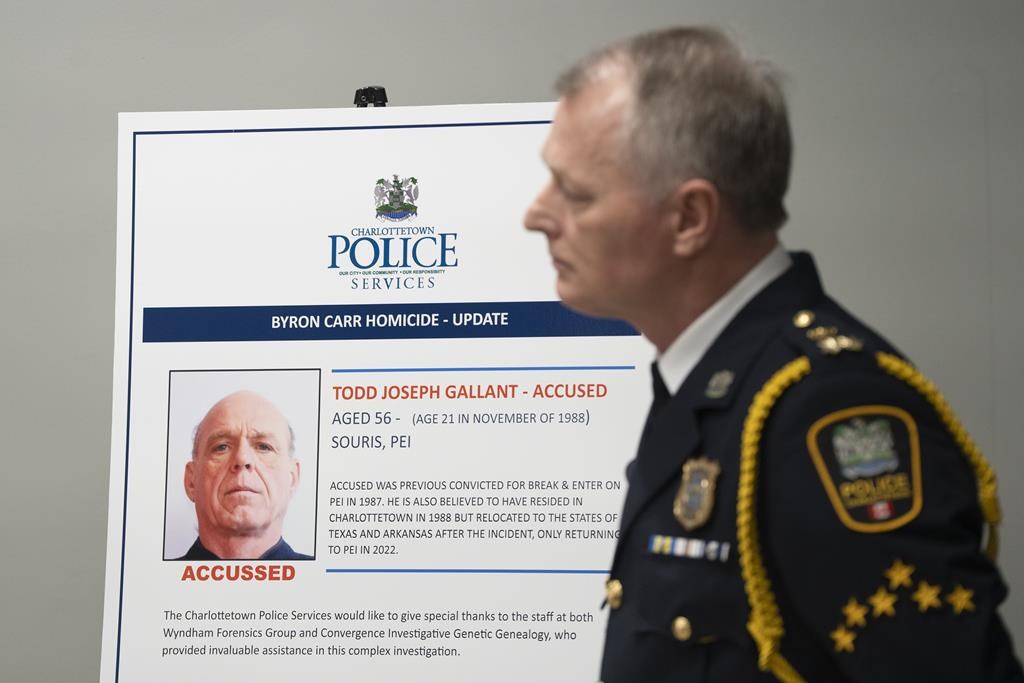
(321,129)
(493,368)
(131,294)
(466,571)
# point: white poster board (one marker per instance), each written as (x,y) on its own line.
(461,436)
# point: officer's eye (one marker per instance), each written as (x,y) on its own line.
(578,199)
(572,194)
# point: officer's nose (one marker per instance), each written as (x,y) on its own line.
(541,215)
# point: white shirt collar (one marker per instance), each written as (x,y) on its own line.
(683,354)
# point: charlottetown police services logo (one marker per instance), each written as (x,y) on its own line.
(396,198)
(865,448)
(393,257)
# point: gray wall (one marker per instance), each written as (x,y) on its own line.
(908,187)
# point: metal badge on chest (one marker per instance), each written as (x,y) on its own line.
(696,497)
(692,508)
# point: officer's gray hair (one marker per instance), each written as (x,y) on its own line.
(700,109)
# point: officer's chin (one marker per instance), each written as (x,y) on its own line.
(581,302)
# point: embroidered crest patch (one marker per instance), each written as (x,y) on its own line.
(696,497)
(869,461)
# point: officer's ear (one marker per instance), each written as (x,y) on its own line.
(695,206)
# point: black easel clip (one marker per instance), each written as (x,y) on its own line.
(371,95)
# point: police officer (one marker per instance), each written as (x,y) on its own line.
(803,504)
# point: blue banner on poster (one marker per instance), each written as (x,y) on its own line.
(369,321)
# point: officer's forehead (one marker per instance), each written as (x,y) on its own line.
(590,122)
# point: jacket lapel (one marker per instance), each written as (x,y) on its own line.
(672,434)
(669,436)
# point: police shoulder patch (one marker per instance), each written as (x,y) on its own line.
(869,461)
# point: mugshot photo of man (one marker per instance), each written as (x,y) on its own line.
(803,505)
(241,478)
(237,465)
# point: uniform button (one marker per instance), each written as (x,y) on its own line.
(681,628)
(613,591)
(803,319)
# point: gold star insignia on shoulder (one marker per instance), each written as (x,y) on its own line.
(882,602)
(899,575)
(962,599)
(926,596)
(843,638)
(855,613)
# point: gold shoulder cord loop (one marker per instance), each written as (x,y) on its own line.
(987,494)
(765,622)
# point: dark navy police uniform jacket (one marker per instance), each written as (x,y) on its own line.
(805,507)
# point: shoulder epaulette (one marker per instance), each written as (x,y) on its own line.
(817,336)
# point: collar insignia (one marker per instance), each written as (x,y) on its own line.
(718,385)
